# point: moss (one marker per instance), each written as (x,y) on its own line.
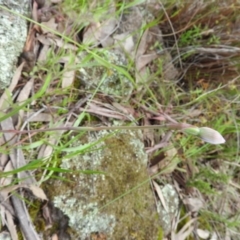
(35,212)
(204,223)
(160,234)
(92,202)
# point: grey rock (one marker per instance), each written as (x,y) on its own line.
(172,205)
(102,74)
(118,204)
(13,33)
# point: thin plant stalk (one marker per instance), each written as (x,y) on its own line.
(207,134)
(173,126)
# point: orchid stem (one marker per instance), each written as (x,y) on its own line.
(173,126)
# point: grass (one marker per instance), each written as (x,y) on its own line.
(200,95)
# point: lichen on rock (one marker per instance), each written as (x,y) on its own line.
(13,33)
(172,205)
(119,203)
(107,79)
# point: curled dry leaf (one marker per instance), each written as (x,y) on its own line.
(41,117)
(56,41)
(26,90)
(143,60)
(4,103)
(92,33)
(124,41)
(160,195)
(48,26)
(100,32)
(11,226)
(194,204)
(68,75)
(43,53)
(38,192)
(103,111)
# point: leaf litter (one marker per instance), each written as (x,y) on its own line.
(107,33)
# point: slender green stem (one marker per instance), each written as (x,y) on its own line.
(173,126)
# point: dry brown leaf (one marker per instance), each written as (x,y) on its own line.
(160,195)
(153,170)
(2,214)
(126,110)
(9,189)
(7,211)
(9,137)
(148,134)
(41,117)
(169,163)
(46,150)
(143,60)
(6,181)
(103,111)
(68,75)
(34,11)
(49,25)
(17,157)
(169,70)
(107,29)
(3,161)
(38,192)
(193,204)
(26,90)
(68,78)
(164,143)
(11,226)
(99,33)
(92,34)
(140,77)
(56,41)
(47,215)
(16,77)
(5,207)
(125,41)
(142,47)
(4,98)
(43,53)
